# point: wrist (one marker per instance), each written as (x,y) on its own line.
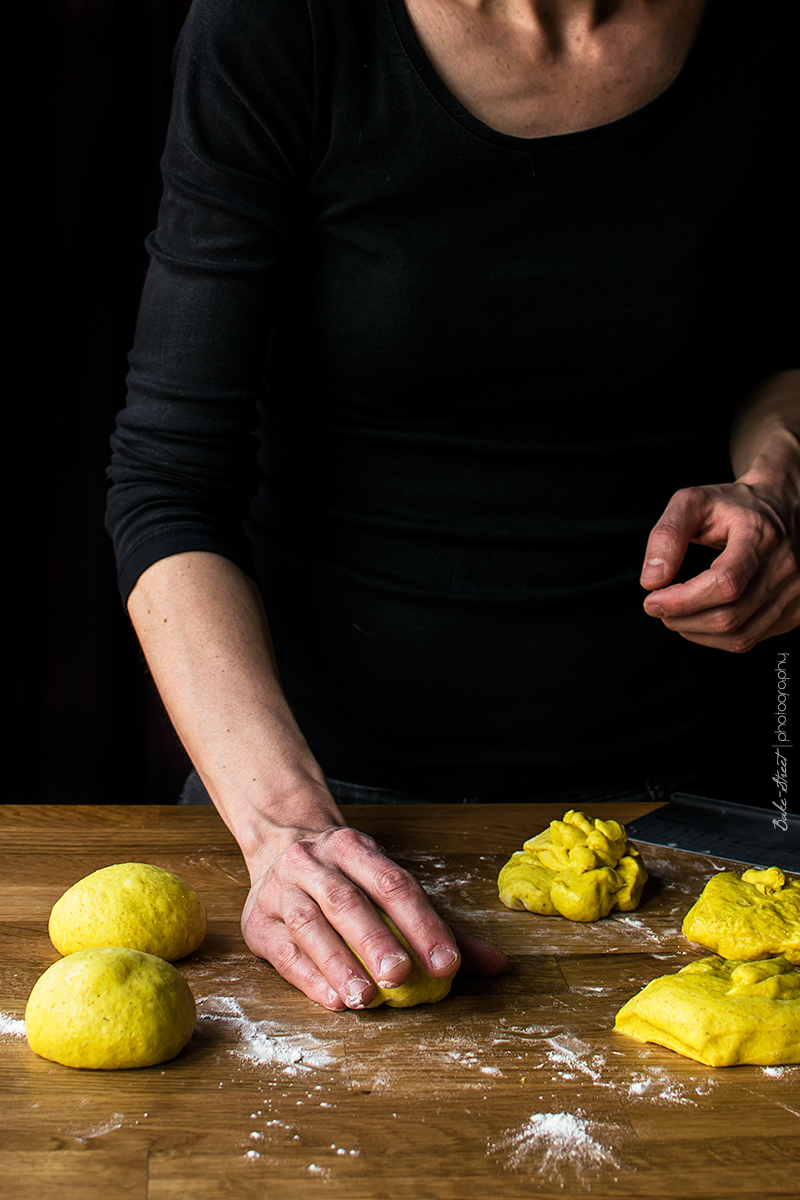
(266,824)
(774,472)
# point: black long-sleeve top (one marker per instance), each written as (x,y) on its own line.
(432,384)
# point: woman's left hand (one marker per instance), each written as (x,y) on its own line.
(751,591)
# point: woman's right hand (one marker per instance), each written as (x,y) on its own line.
(318,903)
(317,884)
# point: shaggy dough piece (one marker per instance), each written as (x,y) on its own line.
(135,905)
(754,915)
(721,1013)
(581,867)
(109,1008)
(419,988)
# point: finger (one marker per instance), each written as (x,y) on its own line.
(342,913)
(397,893)
(283,923)
(480,957)
(724,582)
(669,538)
(269,939)
(773,620)
(310,929)
(722,620)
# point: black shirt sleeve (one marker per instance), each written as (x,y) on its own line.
(237,151)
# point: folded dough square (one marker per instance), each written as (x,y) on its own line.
(721,1013)
(749,916)
(581,868)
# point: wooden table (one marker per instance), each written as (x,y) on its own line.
(511,1087)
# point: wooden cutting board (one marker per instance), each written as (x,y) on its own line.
(511,1087)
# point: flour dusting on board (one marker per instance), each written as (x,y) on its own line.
(658,1084)
(440,881)
(11,1025)
(115,1121)
(575,1058)
(559,1146)
(263,1042)
(572,1059)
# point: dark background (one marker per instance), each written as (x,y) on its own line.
(90,102)
(92,96)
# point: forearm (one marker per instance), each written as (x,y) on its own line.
(765,437)
(204,632)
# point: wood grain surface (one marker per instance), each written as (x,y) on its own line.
(510,1087)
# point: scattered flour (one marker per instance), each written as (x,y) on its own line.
(445,1052)
(115,1121)
(432,872)
(655,1082)
(11,1025)
(643,931)
(561,1145)
(658,1085)
(575,1058)
(263,1042)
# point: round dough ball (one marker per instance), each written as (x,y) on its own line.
(419,987)
(108,1008)
(134,905)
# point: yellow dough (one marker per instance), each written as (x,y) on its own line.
(109,1008)
(754,915)
(581,867)
(419,988)
(721,1013)
(134,905)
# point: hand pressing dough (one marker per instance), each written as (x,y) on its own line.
(754,915)
(721,1013)
(581,867)
(134,905)
(419,987)
(108,1008)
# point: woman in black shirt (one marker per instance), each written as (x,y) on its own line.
(490,282)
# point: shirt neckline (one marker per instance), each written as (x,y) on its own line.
(442,95)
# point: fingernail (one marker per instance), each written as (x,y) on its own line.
(652,569)
(387,964)
(654,610)
(442,956)
(333,999)
(354,993)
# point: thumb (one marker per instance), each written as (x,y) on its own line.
(479,957)
(670,537)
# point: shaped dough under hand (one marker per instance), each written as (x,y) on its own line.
(419,987)
(721,1013)
(749,916)
(581,867)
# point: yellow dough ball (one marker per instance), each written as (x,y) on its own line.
(134,905)
(580,867)
(721,1013)
(419,987)
(107,1008)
